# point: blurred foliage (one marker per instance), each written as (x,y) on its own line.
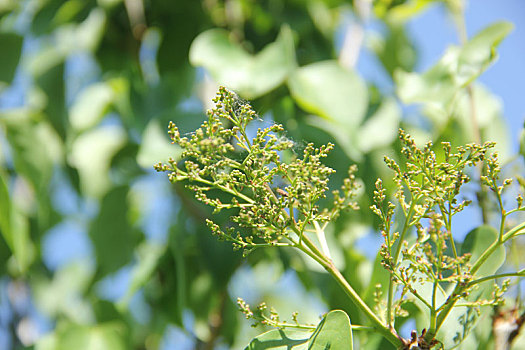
(97,251)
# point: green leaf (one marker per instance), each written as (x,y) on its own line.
(457,126)
(334,332)
(476,242)
(63,294)
(155,146)
(249,75)
(111,233)
(148,258)
(11,45)
(395,50)
(400,11)
(332,92)
(91,154)
(480,52)
(381,129)
(106,336)
(457,68)
(91,105)
(280,339)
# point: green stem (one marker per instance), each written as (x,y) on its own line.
(396,257)
(519,273)
(378,325)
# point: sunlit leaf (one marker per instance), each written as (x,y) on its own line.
(155,146)
(334,332)
(281,339)
(395,50)
(458,67)
(107,336)
(63,294)
(249,75)
(90,105)
(91,154)
(330,91)
(401,11)
(381,128)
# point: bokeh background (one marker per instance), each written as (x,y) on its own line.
(99,249)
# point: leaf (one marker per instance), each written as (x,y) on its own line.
(106,336)
(457,68)
(91,105)
(148,257)
(457,126)
(395,50)
(476,242)
(401,11)
(381,128)
(480,52)
(111,232)
(249,75)
(63,294)
(332,92)
(334,332)
(155,146)
(91,154)
(280,339)
(11,45)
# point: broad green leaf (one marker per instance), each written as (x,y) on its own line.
(400,11)
(91,154)
(476,243)
(332,92)
(106,336)
(155,146)
(457,126)
(281,339)
(148,257)
(33,148)
(249,75)
(334,332)
(344,138)
(480,52)
(68,39)
(111,233)
(381,128)
(11,45)
(91,105)
(458,67)
(63,294)
(395,50)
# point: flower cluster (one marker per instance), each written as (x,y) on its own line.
(275,201)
